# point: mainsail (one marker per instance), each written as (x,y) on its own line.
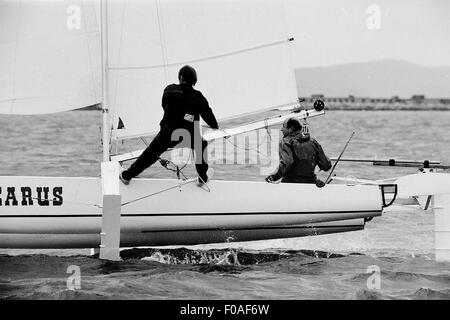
(49,56)
(239,49)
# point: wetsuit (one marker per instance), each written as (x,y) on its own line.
(183,106)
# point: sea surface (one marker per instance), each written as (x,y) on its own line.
(393,258)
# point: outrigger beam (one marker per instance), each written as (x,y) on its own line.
(441,209)
(436,185)
(399,163)
(226,133)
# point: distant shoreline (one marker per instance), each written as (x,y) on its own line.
(353,107)
(415,103)
(347,108)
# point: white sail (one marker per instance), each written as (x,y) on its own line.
(239,49)
(49,56)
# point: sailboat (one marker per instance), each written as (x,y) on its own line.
(60,56)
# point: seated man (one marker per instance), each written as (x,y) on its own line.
(299,155)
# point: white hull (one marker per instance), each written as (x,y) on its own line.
(231,211)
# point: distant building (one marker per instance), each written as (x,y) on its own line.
(418,98)
(351,102)
(317,96)
(395,99)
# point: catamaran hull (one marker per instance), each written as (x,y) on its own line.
(60,212)
(185,237)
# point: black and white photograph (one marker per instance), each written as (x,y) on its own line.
(224,154)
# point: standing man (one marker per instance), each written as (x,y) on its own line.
(183,106)
(299,155)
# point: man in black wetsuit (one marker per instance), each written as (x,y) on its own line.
(183,106)
(299,155)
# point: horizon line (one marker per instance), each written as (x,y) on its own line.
(373,61)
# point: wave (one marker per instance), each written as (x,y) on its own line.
(365,294)
(220,256)
(421,294)
(405,276)
(430,294)
(155,273)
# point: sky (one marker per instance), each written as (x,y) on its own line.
(330,32)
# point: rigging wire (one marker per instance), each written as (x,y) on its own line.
(286,27)
(179,172)
(204,58)
(157,192)
(14,75)
(162,39)
(266,127)
(89,52)
(177,169)
(145,141)
(72,202)
(113,116)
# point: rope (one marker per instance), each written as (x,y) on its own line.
(267,129)
(145,141)
(110,141)
(165,163)
(73,202)
(258,145)
(158,192)
(178,171)
(165,65)
(204,185)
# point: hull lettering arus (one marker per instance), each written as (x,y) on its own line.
(27,196)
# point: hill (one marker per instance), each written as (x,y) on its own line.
(384,78)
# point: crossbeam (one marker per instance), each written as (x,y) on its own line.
(398,163)
(226,133)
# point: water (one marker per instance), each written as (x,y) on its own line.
(400,243)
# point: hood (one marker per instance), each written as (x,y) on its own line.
(299,136)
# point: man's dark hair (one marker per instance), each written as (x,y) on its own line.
(294,124)
(189,75)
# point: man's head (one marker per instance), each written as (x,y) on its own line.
(290,125)
(187,75)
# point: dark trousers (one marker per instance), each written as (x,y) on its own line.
(162,142)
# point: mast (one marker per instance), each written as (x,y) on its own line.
(111,205)
(105,87)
